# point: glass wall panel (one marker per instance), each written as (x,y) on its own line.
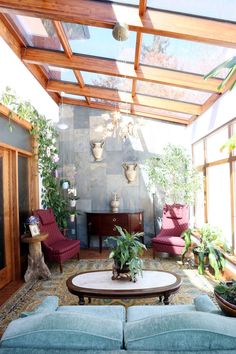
(199,204)
(214,143)
(219,210)
(23,196)
(198,153)
(18,137)
(2,245)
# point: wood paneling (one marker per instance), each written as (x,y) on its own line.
(106,14)
(121,69)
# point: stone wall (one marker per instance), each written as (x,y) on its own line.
(97,180)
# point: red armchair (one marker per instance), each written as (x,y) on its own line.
(56,248)
(175,221)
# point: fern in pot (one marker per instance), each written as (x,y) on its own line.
(126,254)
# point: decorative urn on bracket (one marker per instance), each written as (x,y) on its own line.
(130,171)
(115,203)
(97,149)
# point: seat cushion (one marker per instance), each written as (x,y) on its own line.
(64,331)
(116,312)
(65,245)
(181,331)
(169,240)
(135,313)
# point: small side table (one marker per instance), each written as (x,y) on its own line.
(36,265)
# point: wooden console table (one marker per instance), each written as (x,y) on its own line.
(102,224)
(36,265)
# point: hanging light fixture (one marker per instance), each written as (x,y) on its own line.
(120,31)
(62,125)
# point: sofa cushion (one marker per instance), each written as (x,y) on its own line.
(135,313)
(49,304)
(64,331)
(204,304)
(46,216)
(169,240)
(189,331)
(111,312)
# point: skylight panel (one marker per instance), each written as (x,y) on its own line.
(218,9)
(106,81)
(96,41)
(39,33)
(172,92)
(183,55)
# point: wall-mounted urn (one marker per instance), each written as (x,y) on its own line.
(130,171)
(97,149)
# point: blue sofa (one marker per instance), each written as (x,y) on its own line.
(52,329)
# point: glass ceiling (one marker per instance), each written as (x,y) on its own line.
(172,92)
(106,81)
(218,9)
(60,74)
(99,42)
(182,55)
(37,32)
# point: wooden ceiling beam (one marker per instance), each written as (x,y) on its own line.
(67,49)
(125,97)
(133,111)
(121,69)
(63,38)
(142,7)
(106,14)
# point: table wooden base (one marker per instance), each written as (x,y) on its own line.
(37,269)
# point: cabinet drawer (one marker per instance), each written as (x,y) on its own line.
(108,223)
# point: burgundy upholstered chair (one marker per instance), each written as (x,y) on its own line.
(175,221)
(56,248)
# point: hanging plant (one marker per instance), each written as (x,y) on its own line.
(44,139)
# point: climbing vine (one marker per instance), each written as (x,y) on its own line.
(44,138)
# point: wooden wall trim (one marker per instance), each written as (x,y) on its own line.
(6,113)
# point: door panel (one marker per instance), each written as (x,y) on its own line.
(5,230)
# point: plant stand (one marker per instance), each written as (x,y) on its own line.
(36,265)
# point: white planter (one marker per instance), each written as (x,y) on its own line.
(97,150)
(130,171)
(65,185)
(72,217)
(73,203)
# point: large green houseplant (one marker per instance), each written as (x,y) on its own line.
(127,251)
(44,137)
(208,248)
(174,174)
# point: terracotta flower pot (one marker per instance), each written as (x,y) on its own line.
(228,308)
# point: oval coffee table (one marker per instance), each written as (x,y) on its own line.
(98,284)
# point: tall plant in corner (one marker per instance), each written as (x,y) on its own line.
(44,136)
(174,173)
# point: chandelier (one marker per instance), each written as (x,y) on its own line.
(121,126)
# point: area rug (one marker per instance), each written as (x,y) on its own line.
(32,294)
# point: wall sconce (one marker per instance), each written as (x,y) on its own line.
(130,171)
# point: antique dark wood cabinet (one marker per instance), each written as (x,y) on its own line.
(102,223)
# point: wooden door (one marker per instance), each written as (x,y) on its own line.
(6,268)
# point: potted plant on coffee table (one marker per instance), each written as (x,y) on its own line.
(225,294)
(126,254)
(208,249)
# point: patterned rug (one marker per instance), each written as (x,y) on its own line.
(32,294)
